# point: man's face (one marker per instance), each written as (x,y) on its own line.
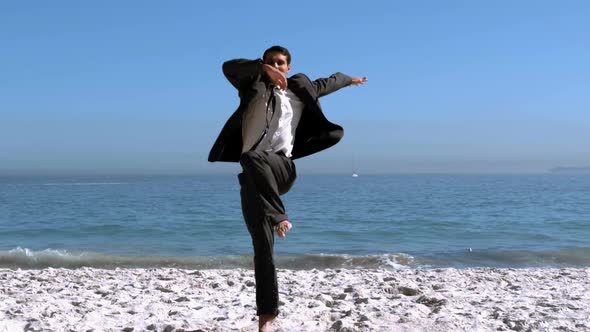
(279,61)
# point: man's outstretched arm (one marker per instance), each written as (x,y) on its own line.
(336,82)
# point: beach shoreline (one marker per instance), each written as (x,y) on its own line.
(168,299)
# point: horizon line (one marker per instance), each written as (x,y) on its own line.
(61,173)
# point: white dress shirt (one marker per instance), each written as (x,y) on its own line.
(280,125)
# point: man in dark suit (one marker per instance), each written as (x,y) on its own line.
(279,119)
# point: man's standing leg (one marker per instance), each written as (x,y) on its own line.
(265,177)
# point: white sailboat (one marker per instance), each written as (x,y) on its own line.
(354,173)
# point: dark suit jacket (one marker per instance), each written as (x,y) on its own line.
(314,132)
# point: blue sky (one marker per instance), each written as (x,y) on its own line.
(454,86)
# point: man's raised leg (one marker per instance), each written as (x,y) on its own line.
(264,178)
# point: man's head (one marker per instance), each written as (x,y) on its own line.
(278,57)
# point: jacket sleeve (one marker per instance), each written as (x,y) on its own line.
(242,71)
(333,83)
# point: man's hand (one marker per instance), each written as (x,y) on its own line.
(276,76)
(358,81)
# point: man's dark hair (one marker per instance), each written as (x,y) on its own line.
(278,49)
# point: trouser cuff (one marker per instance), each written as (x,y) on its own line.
(274,312)
(278,218)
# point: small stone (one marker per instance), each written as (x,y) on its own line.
(250,283)
(151,327)
(407,291)
(389,290)
(164,290)
(431,301)
(572,307)
(327,300)
(337,326)
(182,299)
(313,304)
(361,300)
(128,329)
(168,328)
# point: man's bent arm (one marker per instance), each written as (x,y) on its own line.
(240,71)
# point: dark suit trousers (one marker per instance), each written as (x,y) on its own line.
(265,177)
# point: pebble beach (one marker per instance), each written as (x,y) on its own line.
(168,299)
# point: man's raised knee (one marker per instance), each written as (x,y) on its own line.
(250,157)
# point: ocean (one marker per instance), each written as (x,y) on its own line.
(372,221)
